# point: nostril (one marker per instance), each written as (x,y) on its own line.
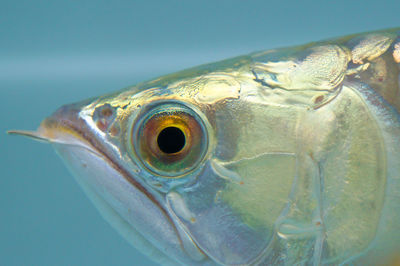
(104,116)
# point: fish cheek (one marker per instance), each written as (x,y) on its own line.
(215,227)
(234,205)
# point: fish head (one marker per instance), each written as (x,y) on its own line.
(269,158)
(178,168)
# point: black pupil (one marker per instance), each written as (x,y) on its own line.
(171,140)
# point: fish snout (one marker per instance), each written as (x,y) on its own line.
(66,126)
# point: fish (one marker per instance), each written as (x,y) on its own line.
(288,156)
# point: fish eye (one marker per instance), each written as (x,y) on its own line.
(169,139)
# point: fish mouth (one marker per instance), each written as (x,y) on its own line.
(52,132)
(66,128)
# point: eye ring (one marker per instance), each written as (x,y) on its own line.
(170,139)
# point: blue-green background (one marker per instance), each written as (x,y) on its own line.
(56,52)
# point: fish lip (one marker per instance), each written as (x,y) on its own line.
(74,130)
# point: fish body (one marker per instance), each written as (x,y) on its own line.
(288,157)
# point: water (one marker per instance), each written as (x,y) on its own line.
(53,53)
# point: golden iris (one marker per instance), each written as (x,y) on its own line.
(171,140)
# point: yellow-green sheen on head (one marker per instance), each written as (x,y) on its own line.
(283,157)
